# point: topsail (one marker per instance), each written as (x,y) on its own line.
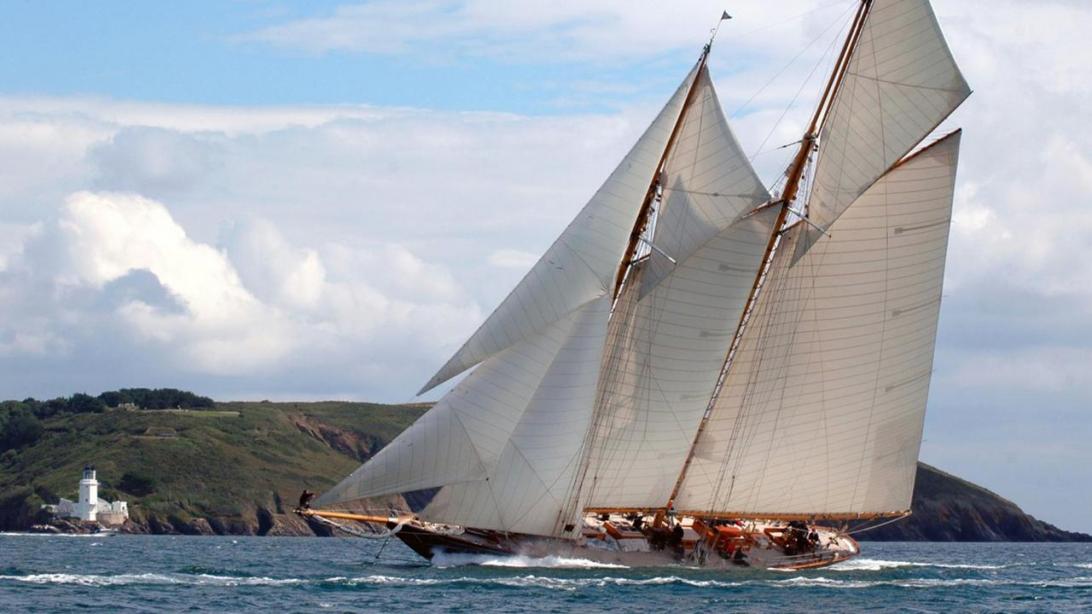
(900,83)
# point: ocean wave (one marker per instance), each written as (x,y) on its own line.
(444,560)
(148,578)
(1078,582)
(879,565)
(531,581)
(534,581)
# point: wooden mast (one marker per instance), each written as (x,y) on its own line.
(794,175)
(645,211)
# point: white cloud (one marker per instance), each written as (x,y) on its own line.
(123,274)
(513,259)
(542,32)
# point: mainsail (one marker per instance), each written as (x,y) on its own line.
(821,412)
(688,342)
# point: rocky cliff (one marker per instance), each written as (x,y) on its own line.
(947,508)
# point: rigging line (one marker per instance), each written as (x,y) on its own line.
(882,524)
(776,281)
(787,20)
(803,85)
(796,57)
(610,366)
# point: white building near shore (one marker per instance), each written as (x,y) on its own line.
(90,508)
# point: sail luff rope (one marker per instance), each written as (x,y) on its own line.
(795,174)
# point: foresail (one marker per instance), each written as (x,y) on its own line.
(663,356)
(526,489)
(901,82)
(707,184)
(821,411)
(581,264)
(472,428)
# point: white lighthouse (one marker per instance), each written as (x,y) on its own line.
(87,508)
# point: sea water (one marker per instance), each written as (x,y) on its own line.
(229,574)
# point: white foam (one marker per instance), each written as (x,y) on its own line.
(879,565)
(550,562)
(1079,582)
(147,578)
(535,581)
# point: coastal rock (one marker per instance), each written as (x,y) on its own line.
(948,509)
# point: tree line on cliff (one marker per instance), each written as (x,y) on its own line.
(21,421)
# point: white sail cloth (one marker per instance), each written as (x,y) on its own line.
(525,489)
(672,328)
(503,439)
(901,82)
(708,183)
(822,408)
(581,264)
(665,353)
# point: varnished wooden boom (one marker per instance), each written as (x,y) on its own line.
(348,516)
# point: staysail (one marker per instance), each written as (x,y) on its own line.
(675,320)
(900,82)
(502,437)
(821,411)
(580,266)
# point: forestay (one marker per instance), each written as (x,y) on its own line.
(900,83)
(821,411)
(581,264)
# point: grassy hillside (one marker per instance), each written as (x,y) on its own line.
(236,466)
(239,467)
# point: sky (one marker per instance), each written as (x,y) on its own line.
(261,199)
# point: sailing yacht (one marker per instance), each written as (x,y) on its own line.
(696,370)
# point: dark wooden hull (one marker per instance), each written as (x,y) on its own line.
(428,543)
